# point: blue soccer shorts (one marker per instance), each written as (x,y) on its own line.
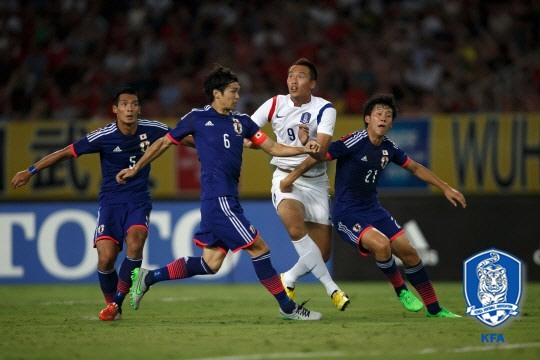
(224,225)
(115,220)
(353,223)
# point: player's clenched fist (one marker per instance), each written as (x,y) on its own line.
(312,147)
(125,174)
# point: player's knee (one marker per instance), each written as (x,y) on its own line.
(296,232)
(380,246)
(106,263)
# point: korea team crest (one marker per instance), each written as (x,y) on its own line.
(492,286)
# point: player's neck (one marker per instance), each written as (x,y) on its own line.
(374,138)
(221,110)
(300,100)
(127,129)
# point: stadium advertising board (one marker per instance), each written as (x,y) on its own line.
(45,243)
(488,153)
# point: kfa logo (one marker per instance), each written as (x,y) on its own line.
(492,286)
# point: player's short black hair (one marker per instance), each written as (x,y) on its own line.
(125,90)
(219,78)
(310,65)
(380,99)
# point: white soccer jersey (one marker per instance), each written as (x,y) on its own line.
(319,114)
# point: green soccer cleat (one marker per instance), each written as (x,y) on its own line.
(340,300)
(409,301)
(301,313)
(443,314)
(138,288)
(289,290)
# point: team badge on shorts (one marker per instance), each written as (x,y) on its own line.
(356,228)
(492,286)
(101,229)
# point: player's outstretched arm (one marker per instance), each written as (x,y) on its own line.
(423,173)
(22,177)
(153,152)
(276,149)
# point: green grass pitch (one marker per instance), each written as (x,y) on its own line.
(241,322)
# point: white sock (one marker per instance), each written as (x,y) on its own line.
(296,272)
(311,256)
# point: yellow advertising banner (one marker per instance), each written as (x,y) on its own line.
(488,153)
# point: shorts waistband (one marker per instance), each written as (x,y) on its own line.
(306,176)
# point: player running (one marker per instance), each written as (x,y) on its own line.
(219,133)
(124,211)
(357,214)
(305,211)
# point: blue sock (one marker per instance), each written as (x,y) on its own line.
(269,278)
(390,270)
(181,268)
(108,281)
(419,278)
(124,279)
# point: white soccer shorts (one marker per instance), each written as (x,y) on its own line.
(314,193)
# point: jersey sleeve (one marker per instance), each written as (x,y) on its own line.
(85,146)
(265,112)
(340,147)
(399,156)
(326,120)
(183,128)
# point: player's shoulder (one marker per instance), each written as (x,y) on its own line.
(145,123)
(354,138)
(102,132)
(321,102)
(389,143)
(197,113)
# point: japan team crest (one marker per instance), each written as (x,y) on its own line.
(237,126)
(492,286)
(384,159)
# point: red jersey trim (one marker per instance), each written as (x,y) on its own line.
(72,148)
(272,109)
(258,138)
(172,139)
(406,162)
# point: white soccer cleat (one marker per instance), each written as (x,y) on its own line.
(301,313)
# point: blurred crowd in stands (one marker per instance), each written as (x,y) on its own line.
(64,59)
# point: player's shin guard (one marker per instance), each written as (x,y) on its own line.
(181,268)
(270,280)
(108,281)
(390,270)
(312,258)
(124,279)
(419,278)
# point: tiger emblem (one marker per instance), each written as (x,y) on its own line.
(492,281)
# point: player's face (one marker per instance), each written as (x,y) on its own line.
(380,120)
(300,84)
(128,109)
(227,100)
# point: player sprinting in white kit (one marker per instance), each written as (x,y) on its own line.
(305,211)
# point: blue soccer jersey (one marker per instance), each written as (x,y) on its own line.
(359,166)
(118,151)
(219,140)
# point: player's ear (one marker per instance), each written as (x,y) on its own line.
(216,92)
(115,109)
